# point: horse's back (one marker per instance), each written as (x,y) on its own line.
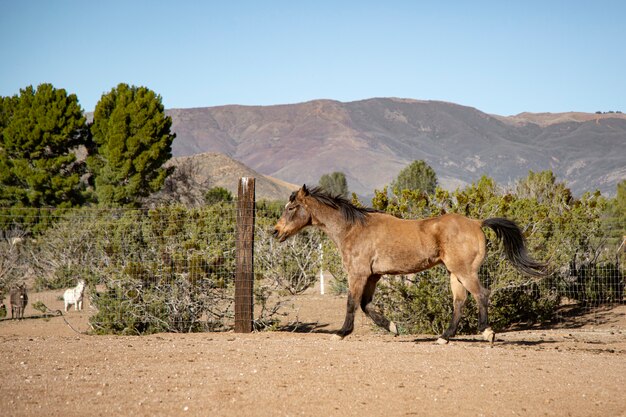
(455,224)
(447,226)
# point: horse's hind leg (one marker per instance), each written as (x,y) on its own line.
(481,295)
(371,310)
(459,295)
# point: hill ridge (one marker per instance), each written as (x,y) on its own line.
(371,140)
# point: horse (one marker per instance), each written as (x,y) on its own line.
(19,300)
(74,296)
(373,244)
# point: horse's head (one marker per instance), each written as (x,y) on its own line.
(21,289)
(295,216)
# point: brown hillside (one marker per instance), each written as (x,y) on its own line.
(372,140)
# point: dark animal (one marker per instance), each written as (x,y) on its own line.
(373,244)
(19,300)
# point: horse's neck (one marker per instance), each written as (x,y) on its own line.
(331,222)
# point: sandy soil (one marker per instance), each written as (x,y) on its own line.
(49,369)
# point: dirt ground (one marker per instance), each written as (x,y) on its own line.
(48,369)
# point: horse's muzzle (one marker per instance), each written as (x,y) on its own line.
(279,235)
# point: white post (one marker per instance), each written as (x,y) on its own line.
(321,270)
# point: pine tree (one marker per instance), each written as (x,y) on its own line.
(335,184)
(39,130)
(418,176)
(132,141)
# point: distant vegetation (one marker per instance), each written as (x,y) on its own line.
(218,195)
(418,176)
(335,184)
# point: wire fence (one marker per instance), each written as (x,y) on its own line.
(168,268)
(173,268)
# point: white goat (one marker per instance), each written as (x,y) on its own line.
(75,296)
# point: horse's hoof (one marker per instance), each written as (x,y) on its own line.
(442,341)
(489,336)
(336,337)
(393,328)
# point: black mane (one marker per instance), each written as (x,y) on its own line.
(349,211)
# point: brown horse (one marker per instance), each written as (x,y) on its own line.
(373,244)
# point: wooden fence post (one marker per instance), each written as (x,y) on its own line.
(244,278)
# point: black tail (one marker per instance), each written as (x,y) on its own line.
(514,246)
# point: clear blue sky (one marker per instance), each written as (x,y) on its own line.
(501,57)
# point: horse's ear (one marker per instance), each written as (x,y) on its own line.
(305,190)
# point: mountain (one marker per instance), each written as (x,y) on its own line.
(372,140)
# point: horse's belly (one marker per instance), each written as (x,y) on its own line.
(403,265)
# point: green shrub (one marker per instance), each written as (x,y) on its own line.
(423,303)
(419,304)
(169,269)
(62,277)
(218,195)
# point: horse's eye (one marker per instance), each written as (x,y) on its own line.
(292,208)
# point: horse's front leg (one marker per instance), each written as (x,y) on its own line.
(355,293)
(348,323)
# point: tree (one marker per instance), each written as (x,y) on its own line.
(217,195)
(39,130)
(418,176)
(544,187)
(335,184)
(615,217)
(131,142)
